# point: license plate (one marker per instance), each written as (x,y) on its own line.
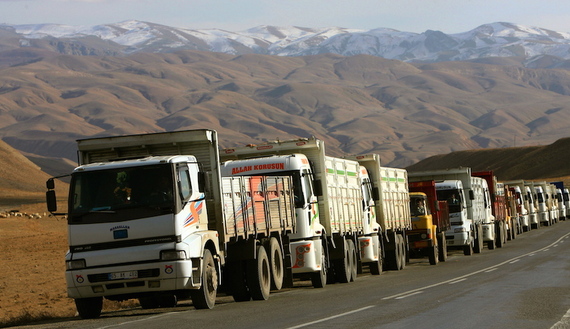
(123,275)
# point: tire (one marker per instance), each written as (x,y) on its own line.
(478,247)
(352,260)
(319,279)
(258,273)
(236,277)
(434,255)
(442,247)
(343,266)
(502,234)
(89,308)
(205,297)
(468,249)
(276,263)
(403,257)
(394,256)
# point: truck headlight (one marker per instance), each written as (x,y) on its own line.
(75,264)
(172,255)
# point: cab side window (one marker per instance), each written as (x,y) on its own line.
(184,183)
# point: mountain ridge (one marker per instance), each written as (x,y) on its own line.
(499,39)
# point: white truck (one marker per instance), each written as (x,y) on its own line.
(336,225)
(563,197)
(150,217)
(561,205)
(553,203)
(468,212)
(392,203)
(520,194)
(534,211)
(545,206)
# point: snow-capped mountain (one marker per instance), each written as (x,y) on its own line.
(489,40)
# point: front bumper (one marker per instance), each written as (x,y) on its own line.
(131,279)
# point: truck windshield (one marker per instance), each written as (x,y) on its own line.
(453,198)
(121,194)
(417,206)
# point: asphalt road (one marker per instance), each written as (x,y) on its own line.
(525,284)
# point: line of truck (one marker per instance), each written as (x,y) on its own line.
(167,216)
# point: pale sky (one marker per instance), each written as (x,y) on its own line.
(448,16)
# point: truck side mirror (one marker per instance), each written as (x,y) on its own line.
(50,184)
(318,187)
(202,179)
(51,200)
(471,195)
(375,194)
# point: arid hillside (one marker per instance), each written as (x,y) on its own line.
(20,179)
(549,162)
(358,104)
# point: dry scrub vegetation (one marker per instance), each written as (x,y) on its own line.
(32,285)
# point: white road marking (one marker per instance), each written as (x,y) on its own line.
(331,317)
(457,281)
(415,293)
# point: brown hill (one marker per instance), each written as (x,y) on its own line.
(549,162)
(357,104)
(21,181)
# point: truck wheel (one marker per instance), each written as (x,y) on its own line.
(468,249)
(442,242)
(434,255)
(319,279)
(342,266)
(235,272)
(479,240)
(205,297)
(393,253)
(89,308)
(259,275)
(402,247)
(352,260)
(502,234)
(276,262)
